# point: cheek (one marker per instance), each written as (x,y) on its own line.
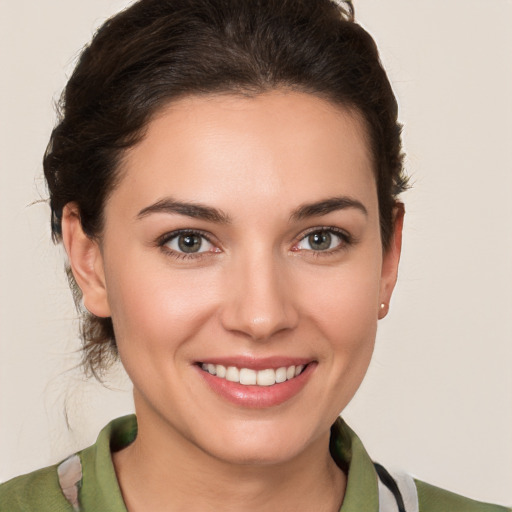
(347,321)
(157,308)
(341,307)
(343,302)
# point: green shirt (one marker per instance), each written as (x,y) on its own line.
(98,489)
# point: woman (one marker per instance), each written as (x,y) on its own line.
(225,180)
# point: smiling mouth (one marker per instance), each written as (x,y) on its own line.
(248,377)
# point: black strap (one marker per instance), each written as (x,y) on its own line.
(390,483)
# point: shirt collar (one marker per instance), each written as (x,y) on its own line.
(100,488)
(349,453)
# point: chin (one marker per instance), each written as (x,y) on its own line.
(256,454)
(259,443)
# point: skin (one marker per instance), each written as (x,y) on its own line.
(259,289)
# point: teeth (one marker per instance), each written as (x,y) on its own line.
(233,374)
(248,377)
(266,377)
(281,375)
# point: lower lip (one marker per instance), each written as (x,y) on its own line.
(258,397)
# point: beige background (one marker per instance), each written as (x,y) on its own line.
(438,398)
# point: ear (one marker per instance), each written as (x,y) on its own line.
(86,262)
(391,258)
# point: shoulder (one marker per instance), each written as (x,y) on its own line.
(434,499)
(383,490)
(83,481)
(38,491)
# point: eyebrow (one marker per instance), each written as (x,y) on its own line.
(189,209)
(208,213)
(326,206)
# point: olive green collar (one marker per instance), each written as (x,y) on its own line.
(100,489)
(350,455)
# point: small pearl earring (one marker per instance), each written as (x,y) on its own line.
(382,305)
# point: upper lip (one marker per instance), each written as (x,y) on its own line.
(257,363)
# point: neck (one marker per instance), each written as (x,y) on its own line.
(202,482)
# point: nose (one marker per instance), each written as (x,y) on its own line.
(258,299)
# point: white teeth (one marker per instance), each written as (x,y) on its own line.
(281,375)
(233,374)
(248,377)
(266,377)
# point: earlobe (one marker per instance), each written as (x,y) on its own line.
(86,262)
(391,259)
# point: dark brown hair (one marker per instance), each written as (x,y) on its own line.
(159,50)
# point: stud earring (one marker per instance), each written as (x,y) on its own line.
(382,306)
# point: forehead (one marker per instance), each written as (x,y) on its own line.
(280,147)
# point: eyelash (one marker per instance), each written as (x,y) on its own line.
(346,241)
(168,237)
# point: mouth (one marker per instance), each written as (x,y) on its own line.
(248,377)
(257,383)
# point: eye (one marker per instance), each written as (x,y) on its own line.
(322,240)
(189,242)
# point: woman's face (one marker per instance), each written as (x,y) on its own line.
(243,239)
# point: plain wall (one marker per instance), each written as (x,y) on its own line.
(437,400)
